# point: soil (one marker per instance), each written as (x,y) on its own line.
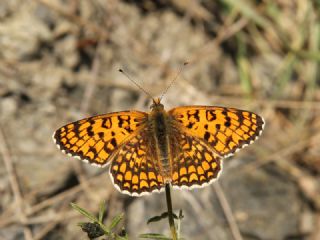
(59,62)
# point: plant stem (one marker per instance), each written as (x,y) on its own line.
(170,214)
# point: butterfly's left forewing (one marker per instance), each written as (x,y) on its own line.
(97,139)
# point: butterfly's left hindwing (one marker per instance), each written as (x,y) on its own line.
(97,138)
(134,169)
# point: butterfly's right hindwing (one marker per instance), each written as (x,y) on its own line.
(195,164)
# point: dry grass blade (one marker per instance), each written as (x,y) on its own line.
(281,155)
(227,211)
(4,149)
(91,84)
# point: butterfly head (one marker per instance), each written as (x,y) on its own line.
(156,105)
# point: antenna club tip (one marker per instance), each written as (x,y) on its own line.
(185,63)
(120,70)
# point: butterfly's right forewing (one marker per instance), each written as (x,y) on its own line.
(97,138)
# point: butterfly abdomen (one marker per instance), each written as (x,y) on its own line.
(159,126)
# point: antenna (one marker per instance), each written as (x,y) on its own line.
(174,79)
(135,83)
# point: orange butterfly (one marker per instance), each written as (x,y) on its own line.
(183,146)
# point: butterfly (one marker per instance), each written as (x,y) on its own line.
(183,146)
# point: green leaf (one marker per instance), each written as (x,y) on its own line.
(310,55)
(116,221)
(90,216)
(154,236)
(249,11)
(122,235)
(102,210)
(159,218)
(121,238)
(84,212)
(243,65)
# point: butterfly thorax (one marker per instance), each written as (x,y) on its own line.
(159,127)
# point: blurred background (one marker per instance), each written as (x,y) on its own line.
(59,62)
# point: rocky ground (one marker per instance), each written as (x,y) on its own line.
(59,62)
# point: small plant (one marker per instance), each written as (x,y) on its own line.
(96,228)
